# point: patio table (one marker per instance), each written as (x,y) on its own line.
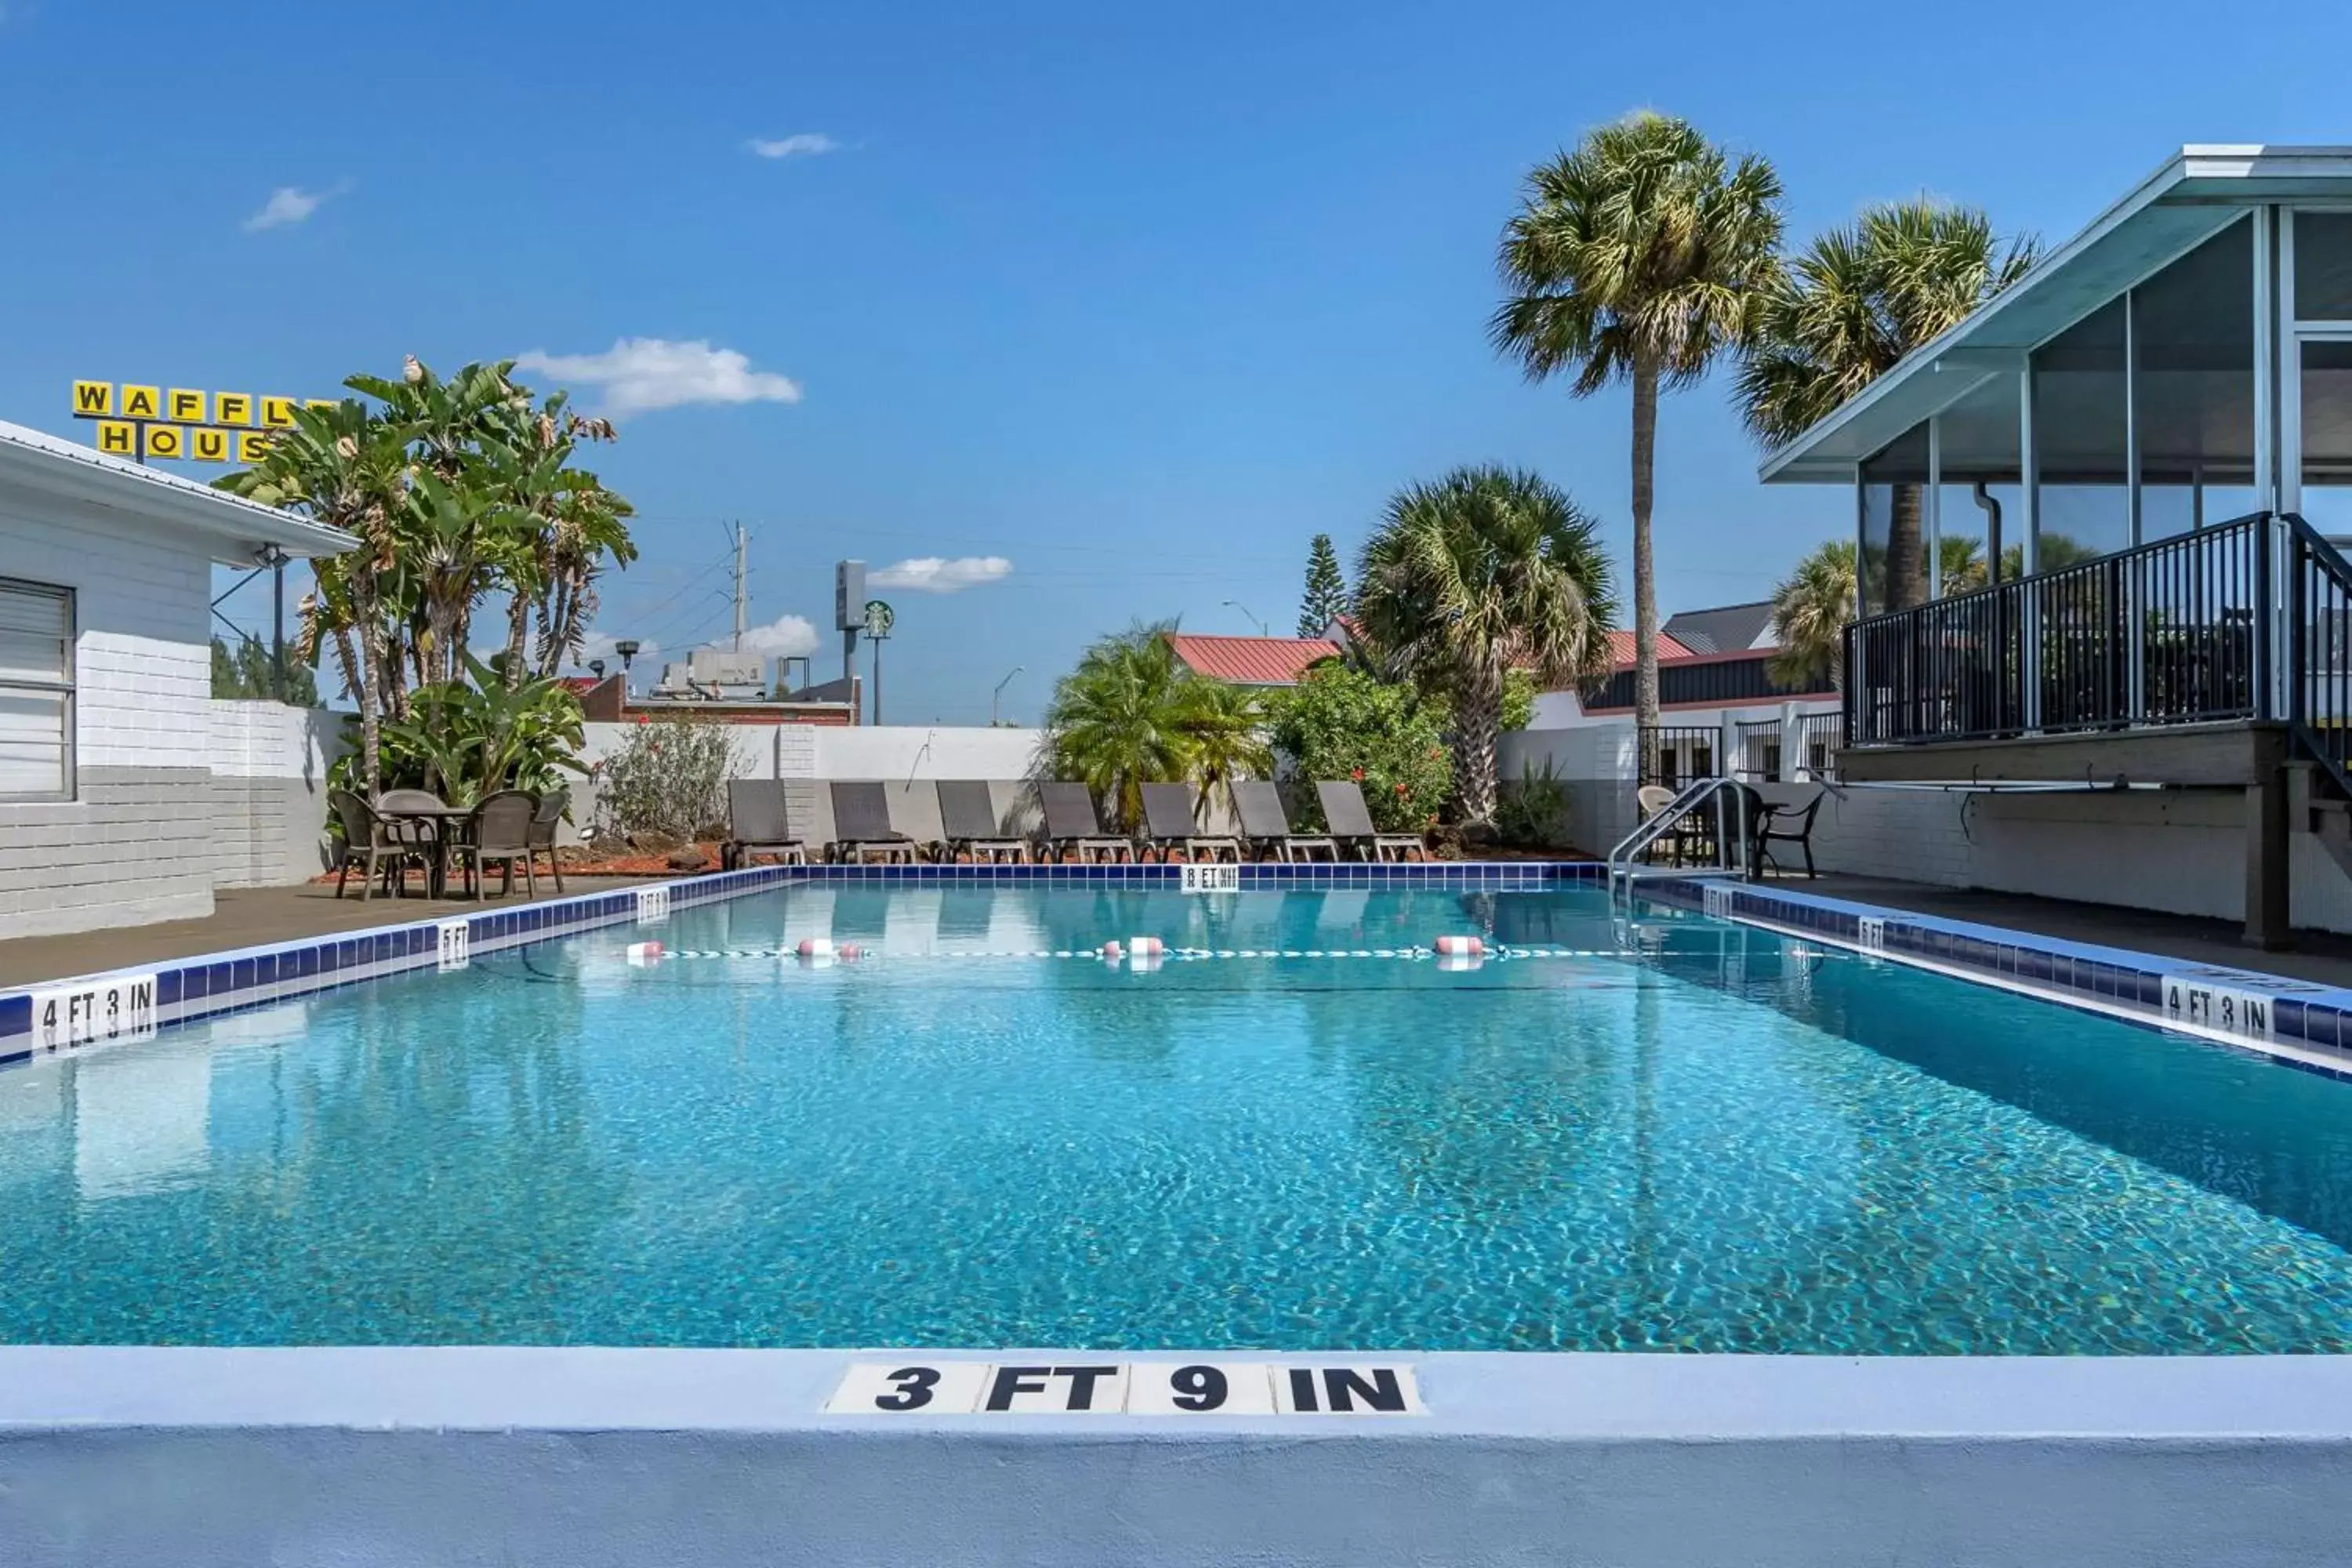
(438,822)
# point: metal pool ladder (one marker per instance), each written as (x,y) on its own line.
(1730,860)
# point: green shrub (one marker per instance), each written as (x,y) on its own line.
(666,776)
(1535,813)
(1341,723)
(464,739)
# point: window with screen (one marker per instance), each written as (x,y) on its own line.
(36,634)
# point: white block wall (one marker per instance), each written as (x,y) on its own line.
(134,844)
(268,766)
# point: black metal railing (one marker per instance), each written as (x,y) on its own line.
(2319,632)
(1819,735)
(1759,760)
(2175,632)
(1674,754)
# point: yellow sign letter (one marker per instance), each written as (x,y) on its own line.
(164,441)
(252,446)
(232,408)
(118,436)
(278,412)
(93,399)
(142,402)
(187,407)
(208,444)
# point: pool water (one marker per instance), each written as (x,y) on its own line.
(1666,1134)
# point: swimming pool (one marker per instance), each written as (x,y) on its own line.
(1294,1132)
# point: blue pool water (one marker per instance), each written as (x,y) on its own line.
(1694,1136)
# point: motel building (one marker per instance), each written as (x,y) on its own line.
(2149,437)
(117,806)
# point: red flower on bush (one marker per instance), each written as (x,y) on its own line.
(1357,774)
(1404,789)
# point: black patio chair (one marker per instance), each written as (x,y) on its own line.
(1350,821)
(968,824)
(1071,825)
(374,842)
(1171,821)
(1790,825)
(497,831)
(1266,827)
(861,824)
(757,823)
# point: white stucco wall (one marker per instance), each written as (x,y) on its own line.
(268,766)
(133,845)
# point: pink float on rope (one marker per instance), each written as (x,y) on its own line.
(1145,947)
(1460,947)
(814,947)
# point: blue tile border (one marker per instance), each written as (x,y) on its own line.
(211,985)
(2305,1016)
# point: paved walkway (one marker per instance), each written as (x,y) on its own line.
(2319,956)
(246,917)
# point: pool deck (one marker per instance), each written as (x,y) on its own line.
(250,917)
(2322,958)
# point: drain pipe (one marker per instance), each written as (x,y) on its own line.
(1992,532)
(920,752)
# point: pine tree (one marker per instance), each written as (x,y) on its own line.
(1326,588)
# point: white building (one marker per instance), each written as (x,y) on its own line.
(107,786)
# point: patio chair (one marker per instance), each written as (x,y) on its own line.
(1685,838)
(968,825)
(1071,825)
(1790,825)
(861,824)
(497,830)
(1171,821)
(758,823)
(371,840)
(543,824)
(1350,822)
(1266,827)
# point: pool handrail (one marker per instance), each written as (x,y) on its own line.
(1694,794)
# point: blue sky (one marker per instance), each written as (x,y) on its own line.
(1136,300)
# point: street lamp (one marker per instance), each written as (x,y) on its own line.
(1000,691)
(1244,609)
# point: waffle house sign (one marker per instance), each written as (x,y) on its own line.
(149,422)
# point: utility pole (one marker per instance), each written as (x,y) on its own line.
(743,576)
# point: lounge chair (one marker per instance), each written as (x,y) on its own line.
(1790,825)
(1171,821)
(968,825)
(758,823)
(1071,825)
(543,824)
(861,826)
(1350,822)
(1266,827)
(372,841)
(498,831)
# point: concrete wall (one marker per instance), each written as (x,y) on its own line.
(558,1458)
(2178,851)
(135,845)
(268,766)
(808,756)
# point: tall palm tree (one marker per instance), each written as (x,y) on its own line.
(1639,257)
(1849,309)
(1486,571)
(342,465)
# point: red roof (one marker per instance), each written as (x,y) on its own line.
(1620,648)
(580,685)
(1251,661)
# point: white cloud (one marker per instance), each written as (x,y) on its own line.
(292,205)
(804,144)
(933,575)
(783,638)
(641,374)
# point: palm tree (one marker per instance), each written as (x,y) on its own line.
(1486,571)
(342,465)
(1131,714)
(1849,309)
(1638,257)
(1813,604)
(1810,608)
